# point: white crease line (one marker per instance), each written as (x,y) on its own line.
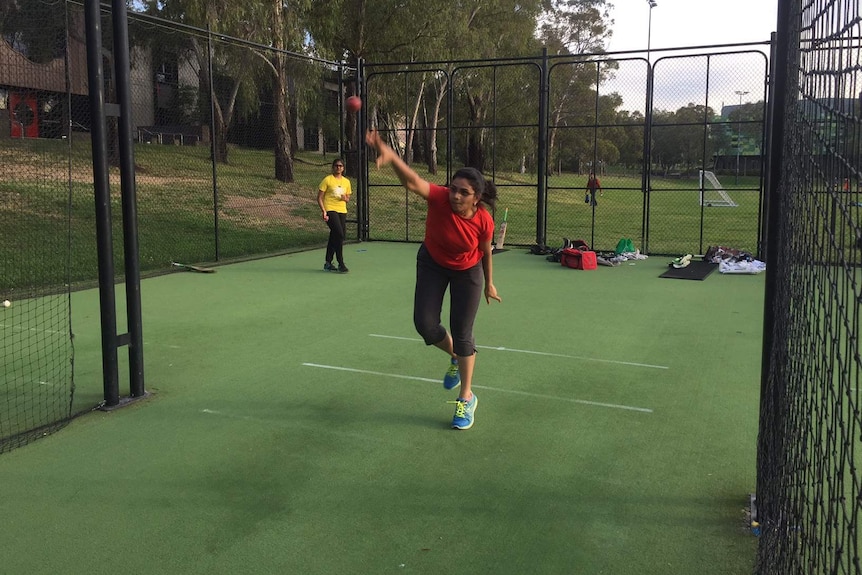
(631,363)
(526,393)
(395,375)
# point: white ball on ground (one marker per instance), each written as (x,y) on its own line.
(7,303)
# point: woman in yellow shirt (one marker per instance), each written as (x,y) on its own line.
(333,193)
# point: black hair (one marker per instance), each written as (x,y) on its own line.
(485,189)
(337,160)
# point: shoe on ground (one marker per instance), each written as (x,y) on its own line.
(453,376)
(342,269)
(328,267)
(464,411)
(682,261)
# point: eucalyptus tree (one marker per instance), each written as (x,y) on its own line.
(679,139)
(281,24)
(232,76)
(692,134)
(491,29)
(631,144)
(378,31)
(576,31)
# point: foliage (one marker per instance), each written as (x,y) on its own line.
(34,28)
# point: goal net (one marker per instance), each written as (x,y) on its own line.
(712,194)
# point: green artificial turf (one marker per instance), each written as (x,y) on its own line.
(297,424)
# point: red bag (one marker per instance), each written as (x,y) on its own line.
(577,259)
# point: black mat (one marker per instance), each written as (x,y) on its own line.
(693,271)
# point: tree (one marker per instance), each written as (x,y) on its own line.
(573,27)
(232,74)
(35,29)
(680,138)
(284,29)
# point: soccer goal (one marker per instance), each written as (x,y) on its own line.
(711,192)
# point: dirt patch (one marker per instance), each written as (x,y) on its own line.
(23,166)
(279,208)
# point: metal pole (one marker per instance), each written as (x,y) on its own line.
(102,189)
(652,4)
(122,66)
(739,93)
(647,159)
(542,156)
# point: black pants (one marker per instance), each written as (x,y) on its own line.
(337,223)
(465,294)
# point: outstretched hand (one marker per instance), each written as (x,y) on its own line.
(384,152)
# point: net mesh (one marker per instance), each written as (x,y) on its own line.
(809,482)
(36,384)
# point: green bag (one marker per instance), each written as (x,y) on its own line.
(625,245)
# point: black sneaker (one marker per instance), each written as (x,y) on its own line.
(342,269)
(328,267)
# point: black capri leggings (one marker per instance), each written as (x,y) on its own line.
(337,223)
(465,293)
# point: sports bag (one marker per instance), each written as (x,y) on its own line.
(578,259)
(624,246)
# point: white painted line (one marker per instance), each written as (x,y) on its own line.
(525,393)
(555,398)
(365,371)
(545,353)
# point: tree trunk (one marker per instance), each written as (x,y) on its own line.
(435,119)
(476,136)
(283,159)
(411,124)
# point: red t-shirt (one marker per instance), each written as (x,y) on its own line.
(453,241)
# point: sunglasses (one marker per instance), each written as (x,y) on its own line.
(463,192)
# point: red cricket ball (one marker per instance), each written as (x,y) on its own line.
(353,103)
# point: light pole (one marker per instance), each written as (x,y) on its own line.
(739,93)
(652,4)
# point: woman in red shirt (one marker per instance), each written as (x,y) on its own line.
(455,254)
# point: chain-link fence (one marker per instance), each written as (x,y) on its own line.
(231,140)
(809,482)
(676,147)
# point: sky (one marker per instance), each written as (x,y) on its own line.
(688,23)
(678,23)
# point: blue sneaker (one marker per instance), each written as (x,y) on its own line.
(453,376)
(464,411)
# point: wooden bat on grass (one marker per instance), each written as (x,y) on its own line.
(193,268)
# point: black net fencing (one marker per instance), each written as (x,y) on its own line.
(809,483)
(231,140)
(36,383)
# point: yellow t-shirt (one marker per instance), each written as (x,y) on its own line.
(333,189)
